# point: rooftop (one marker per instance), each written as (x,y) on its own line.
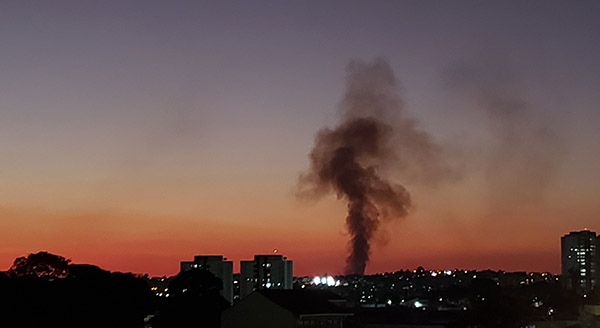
(302,302)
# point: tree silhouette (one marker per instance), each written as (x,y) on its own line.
(43,289)
(40,265)
(194,301)
(195,284)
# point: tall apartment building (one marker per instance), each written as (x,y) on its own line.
(216,265)
(580,261)
(265,272)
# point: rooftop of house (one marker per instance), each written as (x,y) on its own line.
(303,302)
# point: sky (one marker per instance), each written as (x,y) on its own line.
(137,134)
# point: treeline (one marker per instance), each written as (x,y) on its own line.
(46,290)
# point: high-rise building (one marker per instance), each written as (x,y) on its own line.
(265,272)
(216,265)
(579,261)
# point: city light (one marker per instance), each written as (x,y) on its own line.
(330,281)
(326,281)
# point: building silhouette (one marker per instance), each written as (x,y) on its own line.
(265,272)
(579,259)
(286,308)
(217,265)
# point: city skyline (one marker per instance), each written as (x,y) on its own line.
(205,262)
(136,134)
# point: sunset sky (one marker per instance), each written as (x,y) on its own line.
(137,134)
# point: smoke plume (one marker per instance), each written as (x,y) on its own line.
(525,149)
(348,158)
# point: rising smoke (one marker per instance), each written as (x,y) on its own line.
(525,149)
(348,158)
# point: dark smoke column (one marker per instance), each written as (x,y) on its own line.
(346,159)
